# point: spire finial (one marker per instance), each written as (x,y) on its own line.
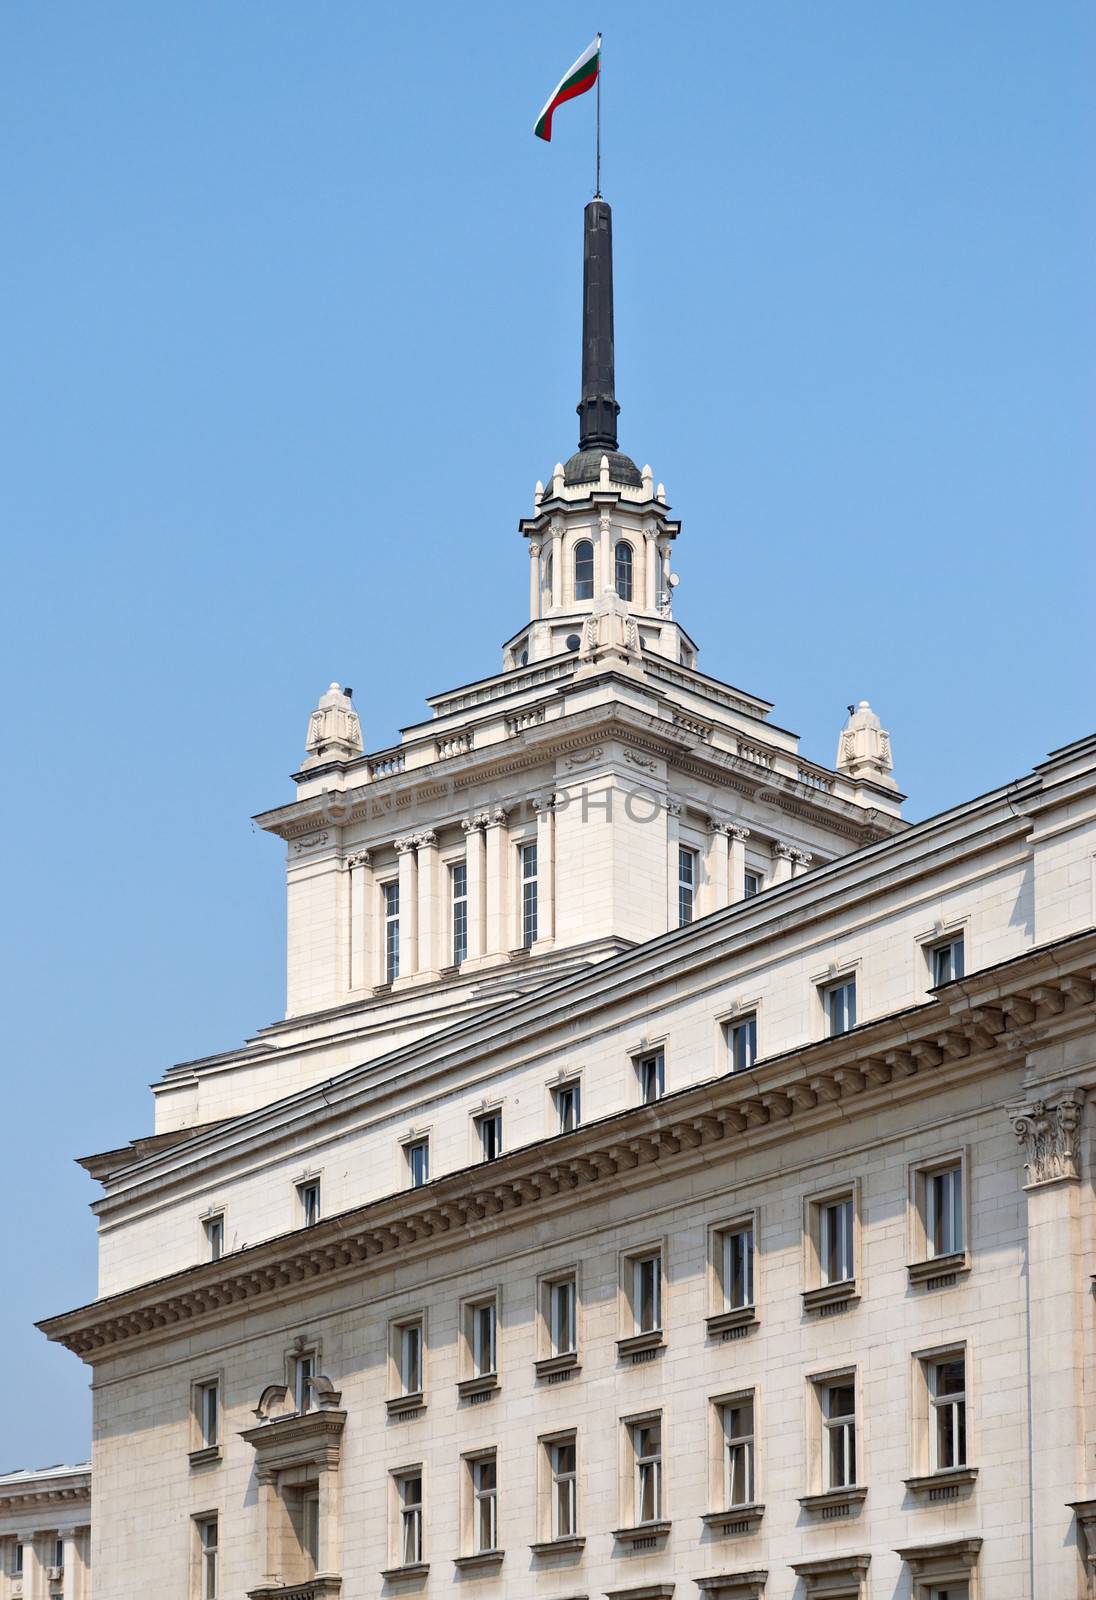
(598,409)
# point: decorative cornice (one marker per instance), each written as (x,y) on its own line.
(965,1028)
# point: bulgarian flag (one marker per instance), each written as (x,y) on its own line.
(576,81)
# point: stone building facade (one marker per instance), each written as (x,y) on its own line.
(673,1173)
(45,1534)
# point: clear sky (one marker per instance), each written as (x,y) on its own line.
(290,300)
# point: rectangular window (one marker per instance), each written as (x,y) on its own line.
(485,1504)
(742,1042)
(735,1267)
(214,1228)
(418,1162)
(483,1341)
(947,1381)
(390,893)
(686,885)
(409,1497)
(752,885)
(835,1221)
(563,1466)
(410,1357)
(207,1409)
(59,1554)
(561,1320)
(647,1293)
(302,1372)
(489,1133)
(458,884)
(945,1233)
(308,1193)
(568,1098)
(207,1558)
(839,1005)
(17,1560)
(310,1517)
(651,1072)
(646,1440)
(838,1401)
(947,961)
(737,1418)
(527,854)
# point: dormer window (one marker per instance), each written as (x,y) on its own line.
(584,570)
(624,565)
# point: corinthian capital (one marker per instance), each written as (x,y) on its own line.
(1047,1132)
(404,844)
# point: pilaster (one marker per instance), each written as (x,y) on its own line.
(783,858)
(545,808)
(496,835)
(737,854)
(477,905)
(673,841)
(409,907)
(429,903)
(715,888)
(362,897)
(535,580)
(801,861)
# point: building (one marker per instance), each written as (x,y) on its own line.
(45,1534)
(672,1175)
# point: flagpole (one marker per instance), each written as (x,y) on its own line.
(597,118)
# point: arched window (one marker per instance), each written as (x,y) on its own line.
(624,570)
(584,570)
(548,578)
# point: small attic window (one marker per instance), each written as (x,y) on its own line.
(572,641)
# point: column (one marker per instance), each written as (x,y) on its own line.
(605,553)
(664,575)
(430,904)
(497,918)
(737,855)
(715,888)
(782,862)
(801,860)
(673,864)
(650,574)
(330,1543)
(74,1584)
(477,907)
(557,567)
(534,580)
(361,903)
(409,895)
(33,1574)
(1057,1304)
(545,808)
(271,1513)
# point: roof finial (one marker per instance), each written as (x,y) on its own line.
(598,409)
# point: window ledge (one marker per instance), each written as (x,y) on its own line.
(952,1478)
(724,1321)
(205,1456)
(482,1558)
(733,1517)
(413,1569)
(939,1267)
(568,1362)
(573,1542)
(831,1294)
(641,1341)
(397,1404)
(849,1499)
(484,1385)
(645,1530)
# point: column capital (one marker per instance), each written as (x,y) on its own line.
(1047,1132)
(543,802)
(362,859)
(786,852)
(673,807)
(426,840)
(534,548)
(803,857)
(474,824)
(405,843)
(715,825)
(495,816)
(740,835)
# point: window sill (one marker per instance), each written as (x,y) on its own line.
(733,1518)
(550,1365)
(724,1321)
(571,1544)
(205,1456)
(835,1501)
(831,1294)
(641,1341)
(952,1478)
(413,1569)
(484,1385)
(481,1559)
(952,1266)
(398,1404)
(645,1530)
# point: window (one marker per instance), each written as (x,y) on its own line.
(59,1554)
(651,1072)
(489,1133)
(646,1439)
(417,1154)
(951,1591)
(835,1220)
(17,1561)
(483,1343)
(839,1006)
(390,893)
(310,1527)
(568,1099)
(944,1229)
(214,1228)
(207,1413)
(686,885)
(309,1195)
(548,569)
(947,1382)
(737,1420)
(485,1504)
(302,1371)
(560,1318)
(584,570)
(646,1292)
(947,961)
(735,1266)
(563,1469)
(624,564)
(838,1401)
(832,1240)
(410,1357)
(527,854)
(751,885)
(409,1500)
(206,1529)
(458,887)
(742,1042)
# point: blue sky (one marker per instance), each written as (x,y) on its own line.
(290,301)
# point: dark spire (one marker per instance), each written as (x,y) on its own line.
(598,409)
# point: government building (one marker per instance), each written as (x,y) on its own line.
(672,1175)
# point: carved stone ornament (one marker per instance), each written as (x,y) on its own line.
(1047,1132)
(311,841)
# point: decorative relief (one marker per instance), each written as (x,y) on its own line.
(648,763)
(583,758)
(1047,1134)
(311,841)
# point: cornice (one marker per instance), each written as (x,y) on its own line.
(62,1493)
(963,1029)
